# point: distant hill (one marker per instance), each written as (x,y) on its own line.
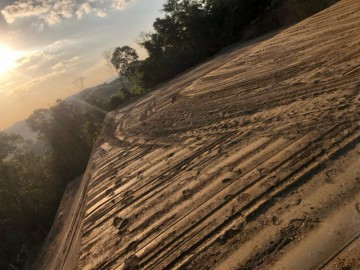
(22,129)
(102,91)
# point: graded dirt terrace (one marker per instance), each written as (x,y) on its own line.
(249,161)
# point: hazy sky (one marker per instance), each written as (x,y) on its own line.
(56,41)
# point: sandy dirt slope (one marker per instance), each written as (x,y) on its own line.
(249,161)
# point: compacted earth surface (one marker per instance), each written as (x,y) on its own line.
(248,161)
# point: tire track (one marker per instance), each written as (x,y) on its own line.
(173,253)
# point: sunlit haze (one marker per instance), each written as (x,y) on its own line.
(8,58)
(46,45)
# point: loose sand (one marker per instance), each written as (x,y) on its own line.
(249,161)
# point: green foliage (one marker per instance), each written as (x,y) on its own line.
(8,144)
(31,185)
(29,195)
(69,130)
(117,99)
(193,30)
(138,90)
(137,80)
(124,59)
(189,32)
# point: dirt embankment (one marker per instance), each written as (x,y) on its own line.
(249,161)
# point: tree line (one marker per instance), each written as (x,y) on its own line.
(189,32)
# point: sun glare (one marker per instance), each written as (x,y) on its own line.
(8,58)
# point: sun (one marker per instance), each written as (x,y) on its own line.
(8,58)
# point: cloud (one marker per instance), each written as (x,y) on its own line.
(84,9)
(52,12)
(58,44)
(39,67)
(101,13)
(40,61)
(29,85)
(120,4)
(23,9)
(33,67)
(65,64)
(49,11)
(35,58)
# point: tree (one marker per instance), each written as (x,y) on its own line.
(107,54)
(62,128)
(8,144)
(125,60)
(79,83)
(29,195)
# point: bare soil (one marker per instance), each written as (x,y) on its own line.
(249,161)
